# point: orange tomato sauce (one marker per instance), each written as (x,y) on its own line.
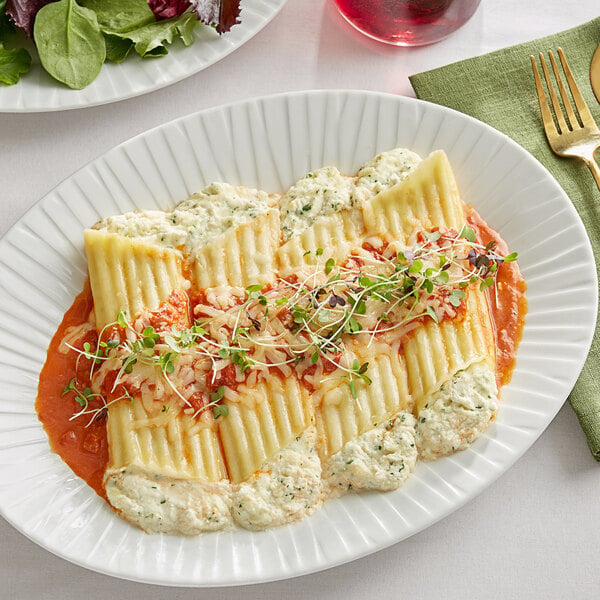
(507,301)
(84,449)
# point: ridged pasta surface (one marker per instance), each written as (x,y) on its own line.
(428,198)
(128,275)
(173,444)
(340,417)
(435,352)
(263,420)
(335,234)
(242,256)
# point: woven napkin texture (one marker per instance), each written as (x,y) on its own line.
(498,88)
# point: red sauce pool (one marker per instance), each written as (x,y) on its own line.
(84,449)
(508,306)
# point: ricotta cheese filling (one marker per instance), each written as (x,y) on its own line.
(458,412)
(287,487)
(384,171)
(319,193)
(195,222)
(379,459)
(207,214)
(161,504)
(326,191)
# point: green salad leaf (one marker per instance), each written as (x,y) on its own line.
(117,48)
(6,30)
(69,42)
(13,63)
(75,37)
(120,16)
(151,39)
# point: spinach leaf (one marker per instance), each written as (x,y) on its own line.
(151,39)
(119,16)
(13,63)
(69,43)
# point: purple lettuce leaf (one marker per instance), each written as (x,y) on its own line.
(221,14)
(165,9)
(22,13)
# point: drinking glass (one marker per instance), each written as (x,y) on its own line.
(407,22)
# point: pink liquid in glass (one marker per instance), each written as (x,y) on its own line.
(407,22)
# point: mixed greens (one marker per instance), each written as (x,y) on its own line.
(74,38)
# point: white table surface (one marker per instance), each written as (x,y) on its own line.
(534,533)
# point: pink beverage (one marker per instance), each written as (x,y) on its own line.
(407,22)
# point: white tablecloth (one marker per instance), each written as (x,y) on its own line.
(534,533)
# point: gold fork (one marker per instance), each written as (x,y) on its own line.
(577,135)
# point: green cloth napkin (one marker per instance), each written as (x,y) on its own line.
(498,88)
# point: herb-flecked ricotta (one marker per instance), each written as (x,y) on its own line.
(286,488)
(458,412)
(195,222)
(319,193)
(384,171)
(326,190)
(379,459)
(161,504)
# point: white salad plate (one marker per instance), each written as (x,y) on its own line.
(38,92)
(268,143)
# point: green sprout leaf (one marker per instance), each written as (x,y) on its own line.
(218,395)
(70,387)
(432,236)
(329,264)
(486,283)
(430,312)
(352,387)
(220,410)
(416,266)
(456,296)
(468,234)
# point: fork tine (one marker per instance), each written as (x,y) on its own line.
(573,121)
(547,119)
(584,111)
(560,117)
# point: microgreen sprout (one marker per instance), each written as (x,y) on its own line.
(85,398)
(358,372)
(311,318)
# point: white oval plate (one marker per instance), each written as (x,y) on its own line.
(38,92)
(268,143)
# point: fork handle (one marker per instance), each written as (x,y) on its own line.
(594,168)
